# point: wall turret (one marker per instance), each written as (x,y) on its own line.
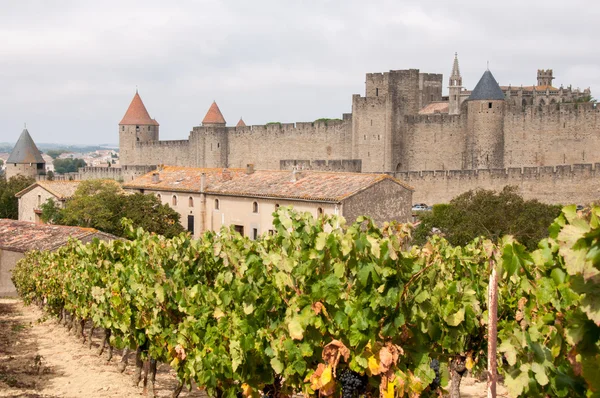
(25,158)
(214,138)
(455,87)
(485,125)
(136,127)
(544,77)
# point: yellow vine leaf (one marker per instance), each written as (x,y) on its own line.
(469,363)
(326,376)
(389,392)
(373,364)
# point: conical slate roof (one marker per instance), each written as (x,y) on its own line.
(241,123)
(25,150)
(214,115)
(487,88)
(137,113)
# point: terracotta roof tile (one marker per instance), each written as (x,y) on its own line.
(434,107)
(22,236)
(214,115)
(530,88)
(308,185)
(241,123)
(137,113)
(61,189)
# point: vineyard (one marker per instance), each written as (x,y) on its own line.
(330,309)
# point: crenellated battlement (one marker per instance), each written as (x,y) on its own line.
(164,143)
(562,184)
(291,128)
(439,118)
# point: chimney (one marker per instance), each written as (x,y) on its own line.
(250,168)
(226,175)
(296,175)
(155,178)
(202,182)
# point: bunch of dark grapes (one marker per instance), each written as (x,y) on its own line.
(269,391)
(435,365)
(353,384)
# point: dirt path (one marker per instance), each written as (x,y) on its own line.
(41,359)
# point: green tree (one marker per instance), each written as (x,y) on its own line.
(102,204)
(95,204)
(490,214)
(148,212)
(62,166)
(50,176)
(9,204)
(51,212)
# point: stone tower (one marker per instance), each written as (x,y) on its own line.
(215,137)
(485,125)
(455,88)
(136,127)
(544,77)
(25,158)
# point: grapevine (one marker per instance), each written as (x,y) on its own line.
(330,308)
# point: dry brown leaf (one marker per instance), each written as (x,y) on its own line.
(332,353)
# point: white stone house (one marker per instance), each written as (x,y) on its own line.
(209,198)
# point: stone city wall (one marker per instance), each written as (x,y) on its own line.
(266,145)
(578,183)
(343,165)
(551,135)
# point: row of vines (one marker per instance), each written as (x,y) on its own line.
(332,309)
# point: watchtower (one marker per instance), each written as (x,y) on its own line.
(25,158)
(544,77)
(485,125)
(136,127)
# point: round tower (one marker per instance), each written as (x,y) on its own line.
(136,127)
(485,125)
(215,138)
(25,158)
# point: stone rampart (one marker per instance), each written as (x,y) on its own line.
(551,134)
(266,145)
(565,184)
(343,165)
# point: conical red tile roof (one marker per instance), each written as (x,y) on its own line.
(137,113)
(241,123)
(214,115)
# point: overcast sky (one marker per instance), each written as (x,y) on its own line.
(70,68)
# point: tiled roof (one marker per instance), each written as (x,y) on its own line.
(61,189)
(530,88)
(309,185)
(214,115)
(25,150)
(22,236)
(434,107)
(241,123)
(487,88)
(137,113)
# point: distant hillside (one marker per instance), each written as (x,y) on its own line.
(44,147)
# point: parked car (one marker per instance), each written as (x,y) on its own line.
(420,207)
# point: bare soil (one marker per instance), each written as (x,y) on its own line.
(39,358)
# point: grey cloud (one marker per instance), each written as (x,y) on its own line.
(70,68)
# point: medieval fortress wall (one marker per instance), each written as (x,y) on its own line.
(403,125)
(568,184)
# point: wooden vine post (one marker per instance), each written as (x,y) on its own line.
(492,331)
